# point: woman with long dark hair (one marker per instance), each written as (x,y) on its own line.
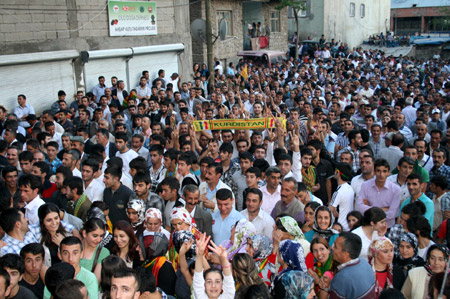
(126,245)
(50,231)
(93,250)
(373,225)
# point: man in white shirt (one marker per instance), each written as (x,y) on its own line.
(344,196)
(262,221)
(124,152)
(70,160)
(272,190)
(367,172)
(92,188)
(29,190)
(23,110)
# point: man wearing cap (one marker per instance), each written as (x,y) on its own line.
(436,123)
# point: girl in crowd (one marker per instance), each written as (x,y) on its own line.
(260,248)
(323,223)
(309,216)
(407,259)
(96,212)
(126,244)
(51,231)
(416,284)
(373,224)
(381,255)
(195,70)
(287,283)
(323,263)
(245,274)
(354,219)
(211,283)
(93,252)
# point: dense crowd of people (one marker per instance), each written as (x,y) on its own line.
(115,195)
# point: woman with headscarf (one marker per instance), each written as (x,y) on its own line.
(407,259)
(181,220)
(290,230)
(241,231)
(416,284)
(260,248)
(381,255)
(136,215)
(160,266)
(293,281)
(153,223)
(323,223)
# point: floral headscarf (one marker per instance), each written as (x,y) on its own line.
(442,248)
(242,231)
(262,246)
(294,230)
(139,206)
(184,236)
(297,284)
(292,227)
(182,214)
(292,254)
(153,213)
(375,247)
(412,240)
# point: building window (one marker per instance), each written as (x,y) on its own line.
(303,13)
(275,21)
(352,9)
(362,10)
(225,14)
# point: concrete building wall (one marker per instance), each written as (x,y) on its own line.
(28,26)
(332,18)
(311,26)
(340,25)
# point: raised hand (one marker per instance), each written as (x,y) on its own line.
(218,250)
(186,246)
(202,244)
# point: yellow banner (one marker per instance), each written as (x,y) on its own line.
(240,124)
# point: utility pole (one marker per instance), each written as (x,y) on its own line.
(209,44)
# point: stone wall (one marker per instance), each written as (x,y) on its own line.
(227,49)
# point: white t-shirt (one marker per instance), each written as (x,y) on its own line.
(423,252)
(126,159)
(343,198)
(365,242)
